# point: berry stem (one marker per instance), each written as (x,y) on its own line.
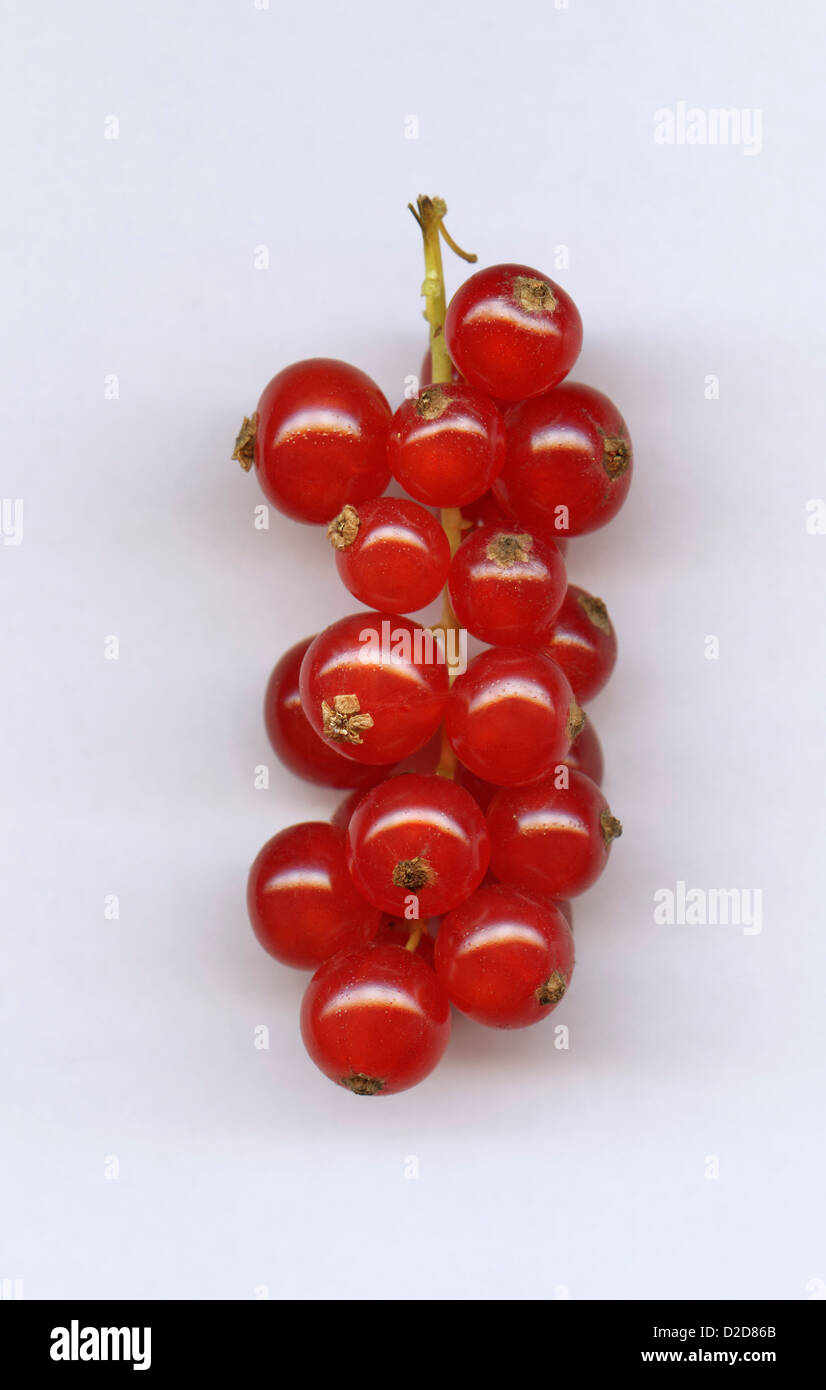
(430,214)
(412,942)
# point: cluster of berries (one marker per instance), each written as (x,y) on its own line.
(474,811)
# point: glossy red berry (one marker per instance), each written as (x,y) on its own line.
(390,553)
(375,1020)
(507,587)
(549,838)
(301,900)
(569,461)
(511,716)
(295,741)
(446,445)
(321,439)
(396,931)
(417,837)
(584,754)
(505,958)
(583,642)
(375,685)
(512,331)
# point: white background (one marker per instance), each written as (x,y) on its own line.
(540,1171)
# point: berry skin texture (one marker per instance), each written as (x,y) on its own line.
(505,958)
(512,332)
(375,1020)
(390,553)
(549,839)
(584,754)
(507,587)
(447,445)
(301,900)
(511,716)
(420,837)
(569,461)
(321,439)
(373,685)
(583,642)
(294,740)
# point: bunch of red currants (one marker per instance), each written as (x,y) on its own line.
(474,811)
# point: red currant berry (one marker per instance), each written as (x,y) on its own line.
(375,1020)
(583,643)
(396,931)
(511,716)
(375,685)
(321,439)
(505,958)
(390,553)
(295,741)
(585,753)
(569,461)
(506,586)
(447,445)
(512,332)
(301,900)
(420,837)
(551,839)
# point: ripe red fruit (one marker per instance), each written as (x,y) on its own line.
(505,958)
(569,461)
(375,1020)
(301,900)
(551,839)
(506,586)
(583,642)
(511,716)
(395,931)
(584,754)
(420,837)
(294,739)
(512,331)
(321,439)
(446,445)
(374,684)
(390,553)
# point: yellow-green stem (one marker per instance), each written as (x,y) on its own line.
(430,214)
